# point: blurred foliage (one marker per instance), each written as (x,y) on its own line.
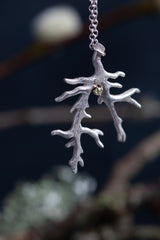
(52,198)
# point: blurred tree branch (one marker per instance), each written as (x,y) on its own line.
(38,50)
(110,213)
(53,115)
(147,233)
(129,166)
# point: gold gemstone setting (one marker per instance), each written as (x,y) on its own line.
(97,90)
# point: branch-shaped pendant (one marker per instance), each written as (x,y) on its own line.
(98,84)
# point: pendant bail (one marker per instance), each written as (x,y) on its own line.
(100,49)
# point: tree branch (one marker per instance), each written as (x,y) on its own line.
(130,165)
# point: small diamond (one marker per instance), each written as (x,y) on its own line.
(97,90)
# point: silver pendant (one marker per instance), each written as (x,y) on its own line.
(98,84)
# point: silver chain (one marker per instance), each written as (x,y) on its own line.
(93,17)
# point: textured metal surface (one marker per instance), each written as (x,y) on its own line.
(93,17)
(99,78)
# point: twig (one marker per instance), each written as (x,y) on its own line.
(141,193)
(147,233)
(130,165)
(53,115)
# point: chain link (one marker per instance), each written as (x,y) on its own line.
(93,17)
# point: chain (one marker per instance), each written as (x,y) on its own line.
(93,17)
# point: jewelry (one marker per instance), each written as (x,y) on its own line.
(99,85)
